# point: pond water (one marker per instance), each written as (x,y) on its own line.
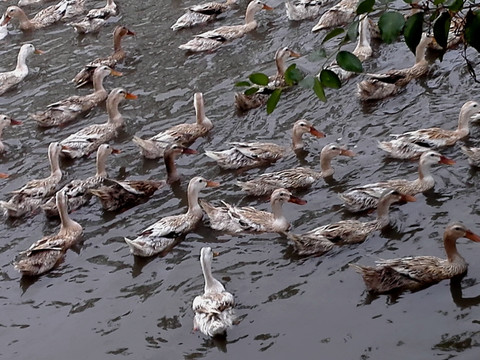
(102,302)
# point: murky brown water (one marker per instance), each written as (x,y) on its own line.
(102,303)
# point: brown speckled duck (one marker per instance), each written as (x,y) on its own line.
(202,13)
(95,18)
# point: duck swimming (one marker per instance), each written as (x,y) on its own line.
(44,18)
(95,18)
(5,121)
(202,13)
(340,14)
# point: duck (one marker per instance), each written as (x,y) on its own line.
(162,235)
(295,178)
(212,39)
(22,3)
(245,102)
(380,86)
(73,8)
(338,15)
(366,197)
(363,49)
(184,134)
(77,190)
(202,13)
(432,138)
(87,140)
(304,9)
(44,18)
(67,110)
(417,272)
(11,78)
(233,219)
(115,194)
(49,251)
(95,18)
(86,74)
(5,121)
(32,194)
(326,237)
(248,155)
(214,309)
(473,154)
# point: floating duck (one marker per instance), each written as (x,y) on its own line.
(245,102)
(380,86)
(87,140)
(324,238)
(5,121)
(11,78)
(424,139)
(184,134)
(77,190)
(117,194)
(64,111)
(31,195)
(247,155)
(95,18)
(339,15)
(44,18)
(414,273)
(295,178)
(202,13)
(366,197)
(49,251)
(86,74)
(473,154)
(163,234)
(214,310)
(304,9)
(234,219)
(212,39)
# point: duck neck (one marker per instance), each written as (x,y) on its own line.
(383,212)
(101,169)
(363,34)
(277,211)
(463,124)
(202,119)
(55,170)
(114,116)
(280,62)
(22,63)
(450,244)
(210,281)
(98,84)
(24,22)
(326,165)
(193,206)
(424,172)
(250,14)
(117,43)
(297,140)
(172,174)
(421,50)
(67,224)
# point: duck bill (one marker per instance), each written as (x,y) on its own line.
(296,200)
(346,152)
(294,54)
(470,235)
(266,7)
(115,73)
(38,52)
(189,151)
(130,96)
(447,161)
(116,151)
(3,176)
(215,253)
(66,147)
(408,198)
(316,133)
(15,122)
(212,183)
(131,33)
(5,20)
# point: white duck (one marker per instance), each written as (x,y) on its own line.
(95,18)
(212,39)
(412,144)
(87,140)
(11,78)
(214,310)
(299,177)
(339,15)
(44,18)
(31,195)
(49,251)
(248,155)
(5,121)
(163,234)
(67,110)
(77,190)
(366,197)
(233,219)
(304,9)
(202,13)
(183,134)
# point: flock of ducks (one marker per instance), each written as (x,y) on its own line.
(214,312)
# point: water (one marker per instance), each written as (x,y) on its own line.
(104,303)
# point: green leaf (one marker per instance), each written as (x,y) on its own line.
(273,100)
(456,6)
(307,82)
(352,31)
(318,89)
(251,91)
(413,31)
(332,34)
(472,29)
(329,79)
(243,83)
(293,75)
(347,61)
(438,2)
(441,26)
(259,79)
(365,6)
(391,24)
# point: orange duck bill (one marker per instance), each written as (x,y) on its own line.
(445,160)
(316,133)
(297,200)
(212,183)
(471,236)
